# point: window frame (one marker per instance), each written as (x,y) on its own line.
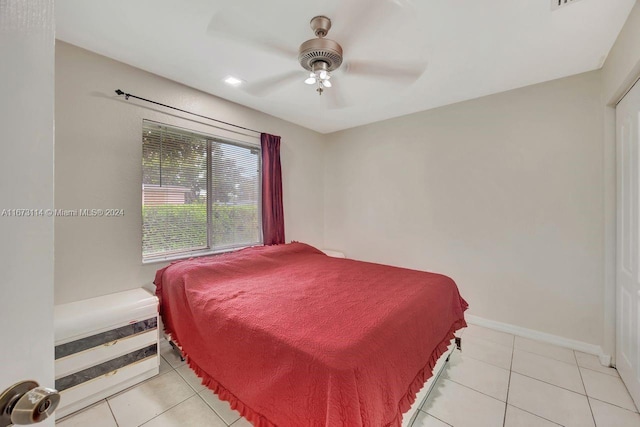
(185,254)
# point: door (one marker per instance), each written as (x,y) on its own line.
(628,242)
(26,185)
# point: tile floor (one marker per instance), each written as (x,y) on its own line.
(498,380)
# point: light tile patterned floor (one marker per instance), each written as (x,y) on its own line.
(497,381)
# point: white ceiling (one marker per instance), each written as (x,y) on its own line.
(470,48)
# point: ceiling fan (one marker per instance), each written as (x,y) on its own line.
(321,56)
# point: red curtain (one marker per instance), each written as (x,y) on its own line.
(272,211)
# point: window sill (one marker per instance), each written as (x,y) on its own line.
(198,254)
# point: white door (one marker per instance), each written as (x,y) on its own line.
(26,182)
(628,242)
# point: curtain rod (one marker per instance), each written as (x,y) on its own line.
(128,95)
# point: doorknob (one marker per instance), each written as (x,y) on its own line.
(27,403)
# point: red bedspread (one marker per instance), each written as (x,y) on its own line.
(292,337)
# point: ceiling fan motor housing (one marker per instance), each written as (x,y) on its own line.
(324,50)
(320,49)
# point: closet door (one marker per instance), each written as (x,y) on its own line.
(628,242)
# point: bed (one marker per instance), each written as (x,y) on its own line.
(292,337)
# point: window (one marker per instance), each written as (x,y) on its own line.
(200,193)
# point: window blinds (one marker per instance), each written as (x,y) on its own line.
(200,193)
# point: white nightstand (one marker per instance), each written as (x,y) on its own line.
(104,345)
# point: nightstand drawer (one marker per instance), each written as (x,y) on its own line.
(110,350)
(76,398)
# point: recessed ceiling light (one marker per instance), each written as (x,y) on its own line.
(232,81)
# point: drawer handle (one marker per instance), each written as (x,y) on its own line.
(111,373)
(109,344)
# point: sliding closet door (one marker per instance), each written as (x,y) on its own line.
(628,242)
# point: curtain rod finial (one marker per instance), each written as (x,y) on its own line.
(119,92)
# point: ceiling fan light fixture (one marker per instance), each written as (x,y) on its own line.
(320,67)
(319,75)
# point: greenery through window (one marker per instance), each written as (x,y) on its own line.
(200,194)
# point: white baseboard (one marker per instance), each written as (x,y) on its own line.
(596,350)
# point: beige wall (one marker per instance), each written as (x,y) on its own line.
(503,193)
(98,165)
(622,66)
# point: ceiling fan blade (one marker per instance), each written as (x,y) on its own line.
(269,85)
(363,16)
(228,29)
(402,72)
(335,98)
